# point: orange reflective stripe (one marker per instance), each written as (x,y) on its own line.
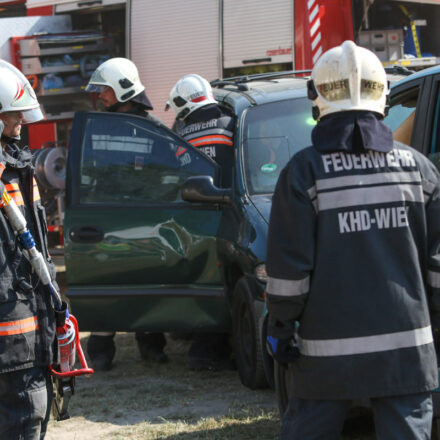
(36,191)
(214,139)
(21,326)
(210,143)
(14,191)
(30,328)
(180,151)
(10,187)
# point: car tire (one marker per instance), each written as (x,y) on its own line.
(246,315)
(282,379)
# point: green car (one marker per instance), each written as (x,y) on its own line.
(152,244)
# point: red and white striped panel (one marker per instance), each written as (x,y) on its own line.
(315,29)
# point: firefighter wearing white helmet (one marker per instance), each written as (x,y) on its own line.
(203,122)
(209,127)
(17,95)
(120,90)
(348,78)
(26,310)
(190,93)
(354,263)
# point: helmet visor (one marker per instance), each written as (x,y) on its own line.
(94,88)
(96,80)
(34,115)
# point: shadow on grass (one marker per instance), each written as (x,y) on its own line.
(135,391)
(264,426)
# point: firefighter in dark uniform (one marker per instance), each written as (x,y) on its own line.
(27,329)
(210,129)
(354,262)
(203,123)
(120,90)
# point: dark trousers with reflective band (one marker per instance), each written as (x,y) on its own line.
(25,402)
(407,417)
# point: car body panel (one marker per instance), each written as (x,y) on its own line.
(151,307)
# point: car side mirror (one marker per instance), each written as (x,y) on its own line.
(201,189)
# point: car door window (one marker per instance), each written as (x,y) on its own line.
(129,160)
(402,113)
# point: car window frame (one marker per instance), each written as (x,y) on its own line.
(433,93)
(73,170)
(424,83)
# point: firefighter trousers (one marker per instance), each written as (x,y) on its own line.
(25,402)
(406,417)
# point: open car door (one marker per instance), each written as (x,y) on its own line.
(138,257)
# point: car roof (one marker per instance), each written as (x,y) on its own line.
(242,92)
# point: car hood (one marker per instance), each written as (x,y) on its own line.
(263,204)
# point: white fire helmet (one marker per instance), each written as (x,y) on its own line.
(121,75)
(17,95)
(348,77)
(190,93)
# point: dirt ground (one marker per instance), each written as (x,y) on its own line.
(137,400)
(141,401)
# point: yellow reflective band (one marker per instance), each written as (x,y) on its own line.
(6,198)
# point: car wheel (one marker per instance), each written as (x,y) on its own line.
(283,385)
(246,315)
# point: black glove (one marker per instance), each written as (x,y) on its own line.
(284,351)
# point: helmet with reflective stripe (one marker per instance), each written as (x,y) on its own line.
(348,77)
(121,75)
(190,93)
(17,95)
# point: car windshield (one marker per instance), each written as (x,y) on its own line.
(272,134)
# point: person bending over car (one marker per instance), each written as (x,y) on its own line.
(206,125)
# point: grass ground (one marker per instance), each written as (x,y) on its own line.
(141,401)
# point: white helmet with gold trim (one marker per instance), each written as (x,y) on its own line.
(348,77)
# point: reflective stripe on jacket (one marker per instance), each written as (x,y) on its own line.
(211,130)
(352,239)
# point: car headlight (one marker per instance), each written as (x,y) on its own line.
(260,273)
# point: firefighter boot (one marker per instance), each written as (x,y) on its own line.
(151,347)
(101,350)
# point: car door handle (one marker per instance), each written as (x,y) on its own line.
(86,234)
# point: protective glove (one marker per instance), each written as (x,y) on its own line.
(284,351)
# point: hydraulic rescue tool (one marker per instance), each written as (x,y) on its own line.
(63,372)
